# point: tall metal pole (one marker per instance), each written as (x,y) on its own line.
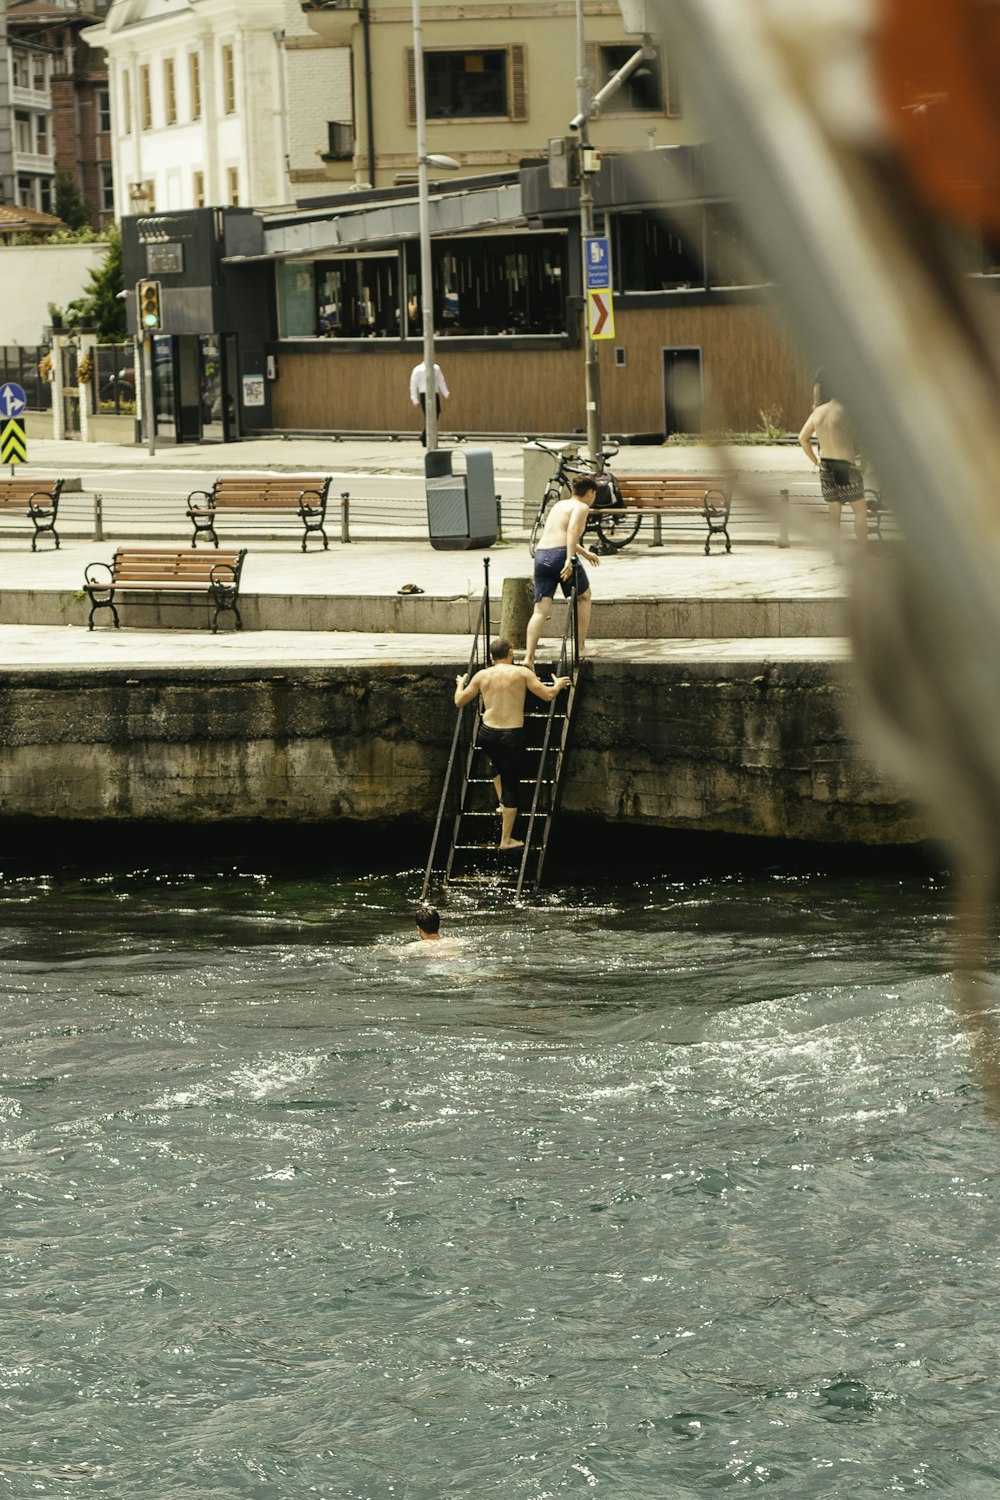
(592,369)
(426,283)
(147,392)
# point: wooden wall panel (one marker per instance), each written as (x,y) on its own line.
(749,365)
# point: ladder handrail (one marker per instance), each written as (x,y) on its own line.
(568,657)
(482,630)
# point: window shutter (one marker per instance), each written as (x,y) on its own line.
(671,78)
(518,84)
(411,88)
(592,62)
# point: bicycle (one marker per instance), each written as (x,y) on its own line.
(614,531)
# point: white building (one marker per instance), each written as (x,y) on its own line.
(200,100)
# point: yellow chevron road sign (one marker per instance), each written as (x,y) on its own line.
(13,443)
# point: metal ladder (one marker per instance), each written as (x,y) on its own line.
(468,809)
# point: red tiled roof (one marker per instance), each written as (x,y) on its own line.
(15,219)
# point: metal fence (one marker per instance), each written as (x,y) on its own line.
(114,379)
(19,363)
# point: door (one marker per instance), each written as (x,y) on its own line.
(188,407)
(683,393)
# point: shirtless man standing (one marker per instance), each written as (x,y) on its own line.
(841,479)
(558,546)
(503,687)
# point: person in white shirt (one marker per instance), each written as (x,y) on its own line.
(418,391)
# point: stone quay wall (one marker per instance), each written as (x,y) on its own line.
(740,748)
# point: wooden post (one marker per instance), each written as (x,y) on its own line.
(516,605)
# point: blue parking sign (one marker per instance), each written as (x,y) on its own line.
(12,400)
(598,257)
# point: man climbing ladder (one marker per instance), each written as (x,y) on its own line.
(503,687)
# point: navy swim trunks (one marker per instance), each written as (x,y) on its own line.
(549,563)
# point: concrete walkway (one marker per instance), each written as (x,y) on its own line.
(345,604)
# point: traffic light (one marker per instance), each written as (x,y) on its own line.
(149,305)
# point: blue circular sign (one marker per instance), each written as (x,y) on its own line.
(12,400)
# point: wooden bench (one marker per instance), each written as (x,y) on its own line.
(38,499)
(703,500)
(170,576)
(286,495)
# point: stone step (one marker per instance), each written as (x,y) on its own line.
(427,614)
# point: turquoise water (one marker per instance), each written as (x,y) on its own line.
(665,1189)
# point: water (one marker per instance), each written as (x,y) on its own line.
(664,1189)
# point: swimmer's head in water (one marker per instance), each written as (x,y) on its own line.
(428,920)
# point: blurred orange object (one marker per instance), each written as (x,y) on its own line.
(938,64)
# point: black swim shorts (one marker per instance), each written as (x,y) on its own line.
(506,749)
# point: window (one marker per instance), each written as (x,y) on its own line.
(233,182)
(41,135)
(340,140)
(39,80)
(198,189)
(126,104)
(487,84)
(145,98)
(228,81)
(24,136)
(296,300)
(357,298)
(657,255)
(45,194)
(194,80)
(730,259)
(169,91)
(512,284)
(22,72)
(104,111)
(641,93)
(107,188)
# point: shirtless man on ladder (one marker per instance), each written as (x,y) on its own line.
(503,687)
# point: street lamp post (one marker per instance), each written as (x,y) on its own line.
(592,368)
(589,104)
(426,284)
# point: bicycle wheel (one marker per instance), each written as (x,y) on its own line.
(616,530)
(552,492)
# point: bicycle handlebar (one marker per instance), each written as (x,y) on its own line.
(580,458)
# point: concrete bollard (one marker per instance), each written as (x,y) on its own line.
(516,605)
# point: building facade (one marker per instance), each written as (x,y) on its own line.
(57,113)
(197,103)
(500,82)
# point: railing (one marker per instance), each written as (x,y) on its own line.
(569,661)
(478,654)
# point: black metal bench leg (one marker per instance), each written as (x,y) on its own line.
(221,606)
(96,604)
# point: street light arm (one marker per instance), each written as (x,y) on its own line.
(646,53)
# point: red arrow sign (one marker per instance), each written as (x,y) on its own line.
(601,315)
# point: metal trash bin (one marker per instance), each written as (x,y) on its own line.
(461,507)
